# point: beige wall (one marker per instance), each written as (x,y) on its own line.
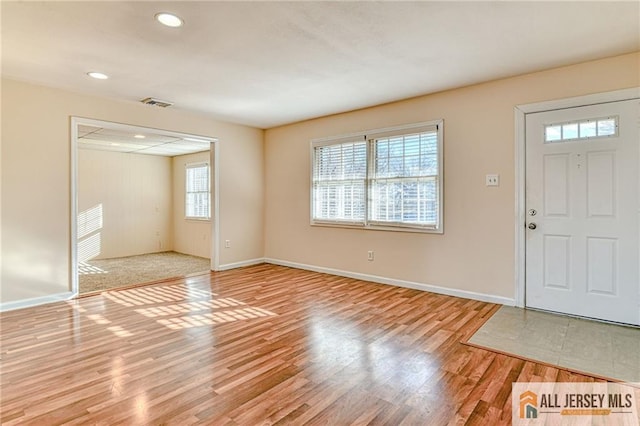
(241,210)
(133,192)
(36,178)
(190,236)
(476,252)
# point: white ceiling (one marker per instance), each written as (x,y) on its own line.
(269,63)
(121,138)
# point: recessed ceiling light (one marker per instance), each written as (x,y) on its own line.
(139,136)
(169,19)
(115,144)
(97,75)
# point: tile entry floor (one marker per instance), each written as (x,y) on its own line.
(596,348)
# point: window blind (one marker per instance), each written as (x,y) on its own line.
(383,179)
(404,179)
(197,199)
(339,182)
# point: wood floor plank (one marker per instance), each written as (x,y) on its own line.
(257,345)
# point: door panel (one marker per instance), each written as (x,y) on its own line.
(556,185)
(557,261)
(582,258)
(601,184)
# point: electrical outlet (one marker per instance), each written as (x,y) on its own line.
(492,180)
(370,255)
(227,243)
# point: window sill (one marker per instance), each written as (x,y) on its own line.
(398,228)
(198,219)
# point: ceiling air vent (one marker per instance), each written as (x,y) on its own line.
(156,102)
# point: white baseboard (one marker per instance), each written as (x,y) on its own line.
(36,301)
(25,303)
(240,264)
(490,298)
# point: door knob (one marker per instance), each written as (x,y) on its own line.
(532,226)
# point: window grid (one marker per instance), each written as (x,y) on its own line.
(583,129)
(197,191)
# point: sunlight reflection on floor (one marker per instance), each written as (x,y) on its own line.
(185,312)
(86,269)
(215,318)
(153,295)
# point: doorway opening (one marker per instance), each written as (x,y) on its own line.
(130,194)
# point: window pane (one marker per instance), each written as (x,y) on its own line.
(607,127)
(570,131)
(341,161)
(382,149)
(411,201)
(339,201)
(396,147)
(553,133)
(382,167)
(429,165)
(396,166)
(197,178)
(412,145)
(588,129)
(412,166)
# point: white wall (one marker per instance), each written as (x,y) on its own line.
(36,180)
(476,251)
(132,193)
(190,236)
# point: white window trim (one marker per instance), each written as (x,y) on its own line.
(368,136)
(194,165)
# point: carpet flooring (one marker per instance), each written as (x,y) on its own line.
(105,274)
(594,348)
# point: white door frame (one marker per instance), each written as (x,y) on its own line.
(520,170)
(213,157)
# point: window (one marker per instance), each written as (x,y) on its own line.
(382,179)
(585,129)
(197,198)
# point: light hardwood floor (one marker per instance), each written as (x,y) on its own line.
(257,345)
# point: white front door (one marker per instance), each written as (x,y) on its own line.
(582,185)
